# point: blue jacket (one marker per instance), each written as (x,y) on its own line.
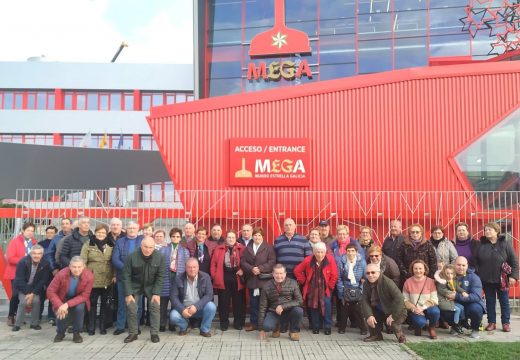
(473,286)
(343,268)
(50,252)
(182,256)
(120,253)
(178,291)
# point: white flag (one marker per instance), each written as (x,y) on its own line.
(85,142)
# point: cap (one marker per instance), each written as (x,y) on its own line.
(324,223)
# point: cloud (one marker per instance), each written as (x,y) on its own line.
(80,31)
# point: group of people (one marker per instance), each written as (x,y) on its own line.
(425,282)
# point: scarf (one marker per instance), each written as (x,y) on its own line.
(416,243)
(231,257)
(200,253)
(101,244)
(316,294)
(436,242)
(173,258)
(350,275)
(451,284)
(342,248)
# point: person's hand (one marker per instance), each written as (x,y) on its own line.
(29,298)
(389,320)
(62,311)
(512,282)
(256,270)
(465,294)
(114,279)
(156,299)
(186,313)
(418,311)
(371,321)
(451,296)
(129,299)
(240,272)
(262,335)
(192,309)
(279,309)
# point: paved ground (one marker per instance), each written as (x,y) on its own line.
(232,344)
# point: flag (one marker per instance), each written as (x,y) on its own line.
(120,143)
(85,142)
(103,142)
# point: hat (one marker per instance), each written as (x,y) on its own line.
(324,223)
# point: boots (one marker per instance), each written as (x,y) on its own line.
(432,333)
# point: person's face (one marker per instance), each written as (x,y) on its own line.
(364,237)
(279,275)
(231,239)
(462,233)
(101,234)
(415,233)
(351,254)
(49,234)
(132,230)
(147,247)
(247,231)
(216,232)
(289,227)
(28,233)
(437,234)
(342,235)
(449,274)
(490,233)
(116,227)
(148,231)
(418,270)
(36,255)
(84,225)
(176,238)
(375,258)
(66,226)
(396,228)
(76,268)
(201,237)
(461,266)
(373,273)
(314,237)
(192,269)
(159,238)
(319,254)
(258,238)
(189,229)
(324,231)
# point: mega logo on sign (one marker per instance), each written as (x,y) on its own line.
(269,162)
(279,41)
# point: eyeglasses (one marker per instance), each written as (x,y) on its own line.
(371,272)
(374,256)
(415,232)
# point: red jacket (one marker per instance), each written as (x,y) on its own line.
(15,253)
(304,271)
(217,266)
(59,287)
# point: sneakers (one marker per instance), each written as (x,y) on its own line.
(475,334)
(294,336)
(456,330)
(77,338)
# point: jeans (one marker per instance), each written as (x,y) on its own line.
(78,314)
(294,316)
(254,305)
(472,311)
(492,291)
(432,314)
(316,316)
(35,310)
(458,313)
(206,314)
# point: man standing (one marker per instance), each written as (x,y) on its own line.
(215,239)
(280,302)
(189,233)
(291,248)
(143,274)
(393,242)
(50,254)
(123,248)
(247,235)
(382,302)
(69,293)
(73,243)
(325,234)
(192,298)
(198,249)
(32,274)
(116,230)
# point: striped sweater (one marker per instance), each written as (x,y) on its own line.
(412,293)
(291,252)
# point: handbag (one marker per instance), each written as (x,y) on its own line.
(265,276)
(505,271)
(353,295)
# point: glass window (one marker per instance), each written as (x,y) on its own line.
(224,86)
(31,101)
(446,21)
(375,26)
(148,143)
(129,102)
(400,5)
(411,52)
(8,100)
(337,49)
(51,102)
(301,10)
(92,101)
(335,9)
(452,45)
(410,23)
(146,102)
(375,56)
(41,101)
(226,37)
(337,27)
(157,99)
(170,99)
(448,3)
(103,101)
(227,14)
(18,100)
(336,71)
(374,6)
(68,101)
(115,101)
(259,13)
(180,98)
(169,192)
(81,102)
(226,62)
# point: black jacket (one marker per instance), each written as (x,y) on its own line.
(23,272)
(72,246)
(391,246)
(489,259)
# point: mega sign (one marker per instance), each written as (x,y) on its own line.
(287,70)
(269,162)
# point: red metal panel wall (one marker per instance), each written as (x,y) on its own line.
(386,131)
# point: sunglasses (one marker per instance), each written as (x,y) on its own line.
(371,272)
(375,255)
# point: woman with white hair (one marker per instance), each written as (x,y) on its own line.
(318,274)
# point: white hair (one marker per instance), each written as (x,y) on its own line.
(320,246)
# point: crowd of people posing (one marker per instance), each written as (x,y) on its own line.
(168,280)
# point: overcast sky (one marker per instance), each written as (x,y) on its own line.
(157,31)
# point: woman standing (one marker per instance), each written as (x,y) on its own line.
(175,257)
(18,248)
(351,272)
(420,299)
(497,266)
(416,247)
(257,263)
(464,244)
(444,248)
(97,254)
(227,273)
(314,237)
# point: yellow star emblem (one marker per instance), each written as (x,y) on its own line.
(279,40)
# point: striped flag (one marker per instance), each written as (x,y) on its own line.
(103,142)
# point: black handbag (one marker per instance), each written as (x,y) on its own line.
(353,295)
